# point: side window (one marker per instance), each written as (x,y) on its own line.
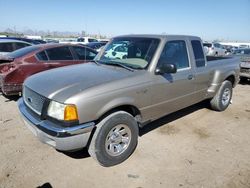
(84,53)
(6,47)
(198,53)
(20,45)
(60,53)
(92,40)
(175,52)
(81,40)
(42,56)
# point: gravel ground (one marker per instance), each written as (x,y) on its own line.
(194,147)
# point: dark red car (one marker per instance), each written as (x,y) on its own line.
(20,64)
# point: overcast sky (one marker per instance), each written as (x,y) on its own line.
(212,19)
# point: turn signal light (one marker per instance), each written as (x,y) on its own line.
(70,113)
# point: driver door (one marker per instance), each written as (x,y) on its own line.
(174,91)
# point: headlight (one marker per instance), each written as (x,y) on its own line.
(65,112)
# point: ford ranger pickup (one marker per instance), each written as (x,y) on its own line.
(102,104)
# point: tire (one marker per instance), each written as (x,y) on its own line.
(115,139)
(222,99)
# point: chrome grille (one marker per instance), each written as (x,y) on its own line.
(33,100)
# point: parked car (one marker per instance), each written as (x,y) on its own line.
(51,41)
(244,54)
(118,51)
(103,40)
(31,41)
(81,40)
(25,62)
(242,51)
(214,49)
(86,40)
(96,45)
(228,48)
(101,105)
(8,45)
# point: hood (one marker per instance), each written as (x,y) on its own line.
(61,83)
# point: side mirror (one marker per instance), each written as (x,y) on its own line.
(166,68)
(113,53)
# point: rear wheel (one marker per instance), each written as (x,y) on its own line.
(114,139)
(223,97)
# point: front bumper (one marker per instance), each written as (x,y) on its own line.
(59,137)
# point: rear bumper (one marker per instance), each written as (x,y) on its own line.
(9,89)
(59,137)
(245,72)
(244,75)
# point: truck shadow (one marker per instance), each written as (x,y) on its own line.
(45,185)
(80,154)
(172,117)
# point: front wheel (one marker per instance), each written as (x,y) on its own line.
(115,139)
(222,99)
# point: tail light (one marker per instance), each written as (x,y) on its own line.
(7,68)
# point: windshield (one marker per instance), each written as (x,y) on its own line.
(132,52)
(23,51)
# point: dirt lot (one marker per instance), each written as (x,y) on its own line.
(194,147)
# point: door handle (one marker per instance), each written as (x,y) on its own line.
(190,77)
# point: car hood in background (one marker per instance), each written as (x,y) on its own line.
(61,83)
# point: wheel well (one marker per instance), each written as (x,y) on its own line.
(231,79)
(127,108)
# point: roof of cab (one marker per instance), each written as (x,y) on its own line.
(156,36)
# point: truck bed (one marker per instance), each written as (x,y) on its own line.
(213,58)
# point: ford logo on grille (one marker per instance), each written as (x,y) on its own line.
(29,99)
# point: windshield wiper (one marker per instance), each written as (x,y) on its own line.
(120,65)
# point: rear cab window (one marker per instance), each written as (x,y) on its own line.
(59,53)
(198,53)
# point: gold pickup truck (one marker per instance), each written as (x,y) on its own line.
(134,79)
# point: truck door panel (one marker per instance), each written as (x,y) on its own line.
(174,91)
